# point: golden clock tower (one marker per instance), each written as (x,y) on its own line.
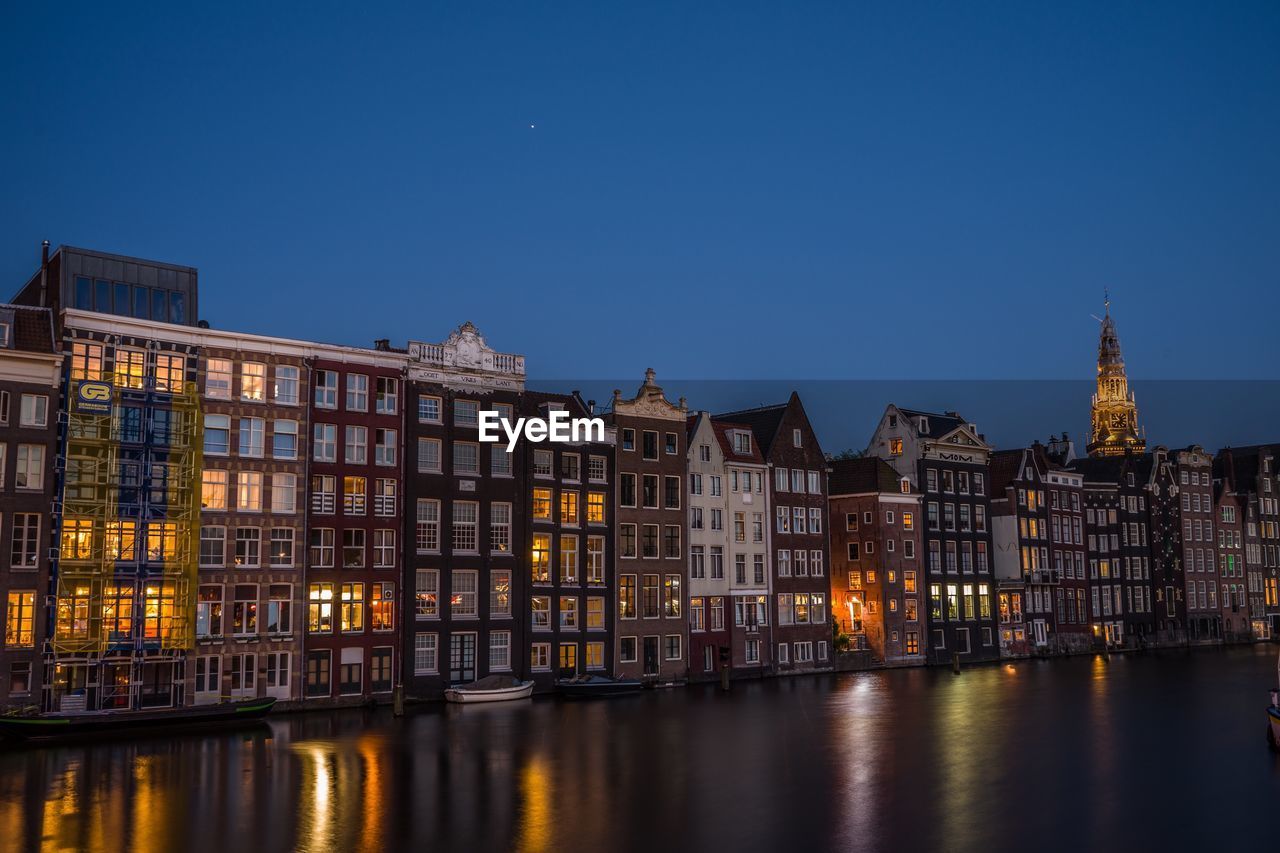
(1115,414)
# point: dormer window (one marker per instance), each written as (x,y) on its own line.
(905,485)
(5,333)
(742,442)
(924,425)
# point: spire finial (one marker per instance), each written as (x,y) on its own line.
(1106,299)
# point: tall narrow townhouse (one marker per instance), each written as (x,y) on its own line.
(876,575)
(709,591)
(1039,539)
(747,509)
(570,533)
(469,559)
(653,630)
(30,374)
(1194,468)
(800,539)
(730,587)
(126,514)
(947,459)
(254,393)
(1120,508)
(1230,510)
(354,525)
(1252,474)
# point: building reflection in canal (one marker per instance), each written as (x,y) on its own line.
(882,761)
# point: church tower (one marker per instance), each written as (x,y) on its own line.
(1115,414)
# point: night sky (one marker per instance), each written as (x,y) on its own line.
(716,190)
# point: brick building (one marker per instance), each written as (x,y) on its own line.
(876,559)
(946,458)
(30,374)
(653,629)
(800,537)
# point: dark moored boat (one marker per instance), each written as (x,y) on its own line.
(109,722)
(596,687)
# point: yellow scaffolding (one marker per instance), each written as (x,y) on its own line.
(128,580)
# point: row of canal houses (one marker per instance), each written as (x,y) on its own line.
(191,514)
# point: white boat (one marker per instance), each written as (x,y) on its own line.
(491,688)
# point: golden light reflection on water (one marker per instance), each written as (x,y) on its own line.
(537,792)
(315,800)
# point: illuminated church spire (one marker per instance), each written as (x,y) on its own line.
(1115,414)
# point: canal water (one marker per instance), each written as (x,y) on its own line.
(1135,753)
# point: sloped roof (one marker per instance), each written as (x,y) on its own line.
(32,328)
(1245,463)
(862,475)
(1005,466)
(763,422)
(572,402)
(938,424)
(722,430)
(1109,469)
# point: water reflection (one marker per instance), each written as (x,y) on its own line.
(996,757)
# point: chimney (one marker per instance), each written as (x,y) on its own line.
(44,274)
(591,407)
(382,345)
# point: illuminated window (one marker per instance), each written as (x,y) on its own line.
(171,369)
(568,508)
(568,613)
(320,608)
(249,491)
(543,503)
(86,361)
(354,495)
(253,382)
(540,558)
(569,657)
(213,490)
(158,611)
(351,607)
(19,621)
(162,541)
(595,613)
(77,538)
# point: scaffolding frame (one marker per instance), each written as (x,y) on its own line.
(126,557)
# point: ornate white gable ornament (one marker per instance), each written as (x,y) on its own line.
(649,401)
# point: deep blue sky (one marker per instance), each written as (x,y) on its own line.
(816,190)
